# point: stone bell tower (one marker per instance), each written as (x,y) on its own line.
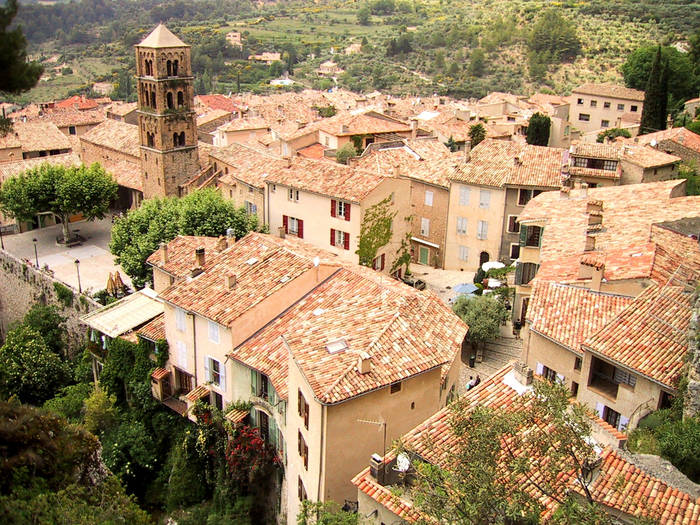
(167,127)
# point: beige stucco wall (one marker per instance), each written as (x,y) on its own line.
(242,192)
(161,280)
(473,213)
(599,113)
(634,174)
(539,349)
(436,214)
(10,154)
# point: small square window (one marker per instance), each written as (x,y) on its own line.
(461,225)
(428,198)
(579,102)
(513,226)
(577,364)
(574,389)
(633,109)
(604,123)
(620,107)
(514,251)
(395,387)
(463,253)
(584,117)
(594,103)
(606,105)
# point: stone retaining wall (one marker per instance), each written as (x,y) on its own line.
(22,285)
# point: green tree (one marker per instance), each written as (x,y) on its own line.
(483,314)
(203,212)
(325,513)
(501,461)
(689,171)
(611,133)
(477,62)
(683,80)
(346,152)
(69,403)
(554,35)
(655,97)
(363,15)
(18,74)
(46,321)
(99,411)
(477,133)
(538,129)
(64,191)
(452,144)
(28,369)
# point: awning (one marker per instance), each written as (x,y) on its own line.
(159,373)
(421,241)
(125,314)
(197,394)
(236,416)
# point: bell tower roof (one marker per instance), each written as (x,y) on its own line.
(161,36)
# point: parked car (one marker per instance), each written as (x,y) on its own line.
(418,284)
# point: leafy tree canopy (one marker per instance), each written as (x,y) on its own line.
(203,212)
(28,368)
(538,129)
(18,75)
(49,323)
(555,36)
(683,82)
(64,191)
(346,152)
(477,133)
(484,316)
(611,133)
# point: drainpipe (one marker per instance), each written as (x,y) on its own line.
(322,466)
(266,203)
(194,346)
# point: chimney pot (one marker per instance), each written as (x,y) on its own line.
(164,252)
(281,232)
(231,281)
(364,363)
(221,244)
(199,256)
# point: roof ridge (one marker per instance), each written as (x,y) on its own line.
(597,292)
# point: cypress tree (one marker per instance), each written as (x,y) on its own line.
(655,97)
(538,129)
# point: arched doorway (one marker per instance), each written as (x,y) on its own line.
(483,258)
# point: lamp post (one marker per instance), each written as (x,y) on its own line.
(36,254)
(77,269)
(2,243)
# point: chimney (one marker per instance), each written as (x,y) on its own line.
(584,189)
(221,244)
(281,232)
(163,252)
(376,468)
(364,363)
(597,277)
(467,150)
(397,171)
(194,272)
(414,129)
(199,256)
(517,160)
(522,373)
(231,281)
(344,128)
(564,192)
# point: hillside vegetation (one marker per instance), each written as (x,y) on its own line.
(461,48)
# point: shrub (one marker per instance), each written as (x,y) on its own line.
(64,294)
(346,152)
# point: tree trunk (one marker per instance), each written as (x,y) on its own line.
(66,228)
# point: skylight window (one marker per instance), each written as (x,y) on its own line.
(251,261)
(284,279)
(335,347)
(318,311)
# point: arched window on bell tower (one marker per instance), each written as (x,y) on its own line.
(169,99)
(181,138)
(153,99)
(175,140)
(180,98)
(175,67)
(150,139)
(169,68)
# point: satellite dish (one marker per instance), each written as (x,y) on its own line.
(653,143)
(403,463)
(317,261)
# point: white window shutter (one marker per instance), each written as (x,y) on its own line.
(222,376)
(560,378)
(600,409)
(428,198)
(539,370)
(207,368)
(182,354)
(624,422)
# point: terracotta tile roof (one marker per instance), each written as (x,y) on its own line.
(650,335)
(618,484)
(424,160)
(682,136)
(197,393)
(78,102)
(370,122)
(595,150)
(126,173)
(10,141)
(325,178)
(315,151)
(181,258)
(212,116)
(404,333)
(161,37)
(243,124)
(610,90)
(569,314)
(36,136)
(9,169)
(628,213)
(578,171)
(67,118)
(159,373)
(502,163)
(245,163)
(121,108)
(154,330)
(218,102)
(647,157)
(115,135)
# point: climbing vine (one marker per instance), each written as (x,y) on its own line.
(375,230)
(403,255)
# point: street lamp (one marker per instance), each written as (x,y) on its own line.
(36,255)
(77,269)
(2,243)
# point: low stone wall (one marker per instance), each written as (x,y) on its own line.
(692,399)
(22,285)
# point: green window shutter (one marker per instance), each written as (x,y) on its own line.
(540,239)
(253,382)
(523,234)
(519,273)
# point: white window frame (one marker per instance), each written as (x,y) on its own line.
(461,225)
(339,238)
(213,368)
(293,195)
(250,208)
(464,192)
(484,199)
(181,347)
(214,332)
(341,209)
(424,226)
(293,225)
(463,253)
(180,319)
(428,198)
(516,223)
(482,230)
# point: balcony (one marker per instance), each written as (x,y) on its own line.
(603,385)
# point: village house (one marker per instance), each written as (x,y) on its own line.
(267,57)
(558,228)
(242,130)
(123,111)
(234,38)
(76,103)
(618,163)
(74,123)
(206,103)
(674,141)
(329,69)
(426,163)
(325,203)
(595,107)
(335,359)
(487,194)
(208,122)
(33,139)
(618,483)
(360,129)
